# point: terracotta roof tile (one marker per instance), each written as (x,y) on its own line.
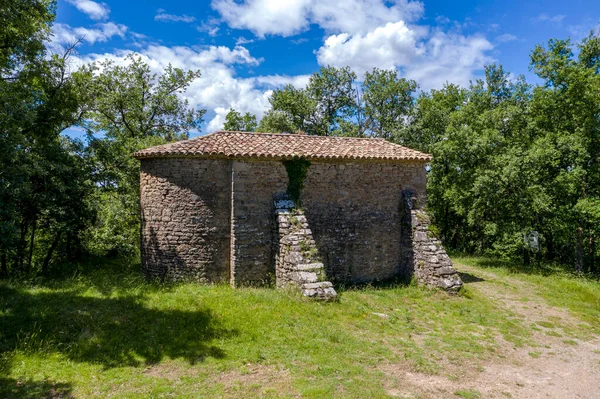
(283,146)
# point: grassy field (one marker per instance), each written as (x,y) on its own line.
(102,331)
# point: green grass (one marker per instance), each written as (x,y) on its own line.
(579,294)
(105,332)
(468,393)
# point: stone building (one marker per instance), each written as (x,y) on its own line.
(259,208)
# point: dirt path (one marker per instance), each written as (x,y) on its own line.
(555,366)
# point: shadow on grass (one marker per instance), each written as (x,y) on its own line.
(10,388)
(28,389)
(112,332)
(469,278)
(107,275)
(388,284)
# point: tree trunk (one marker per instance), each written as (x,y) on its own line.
(3,263)
(18,264)
(592,254)
(550,250)
(454,240)
(31,245)
(50,252)
(526,257)
(579,250)
(68,247)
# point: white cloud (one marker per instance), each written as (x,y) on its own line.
(583,29)
(543,17)
(164,17)
(218,89)
(93,9)
(242,40)
(211,26)
(364,34)
(64,34)
(275,17)
(385,47)
(450,58)
(429,58)
(505,38)
(442,20)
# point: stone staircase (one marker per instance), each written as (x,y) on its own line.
(297,259)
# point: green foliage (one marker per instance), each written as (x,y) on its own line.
(58,197)
(333,103)
(512,159)
(129,108)
(238,122)
(296,170)
(44,177)
(387,100)
(276,122)
(25,27)
(328,100)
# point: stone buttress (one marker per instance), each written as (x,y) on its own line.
(422,251)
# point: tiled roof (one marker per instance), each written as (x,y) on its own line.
(227,144)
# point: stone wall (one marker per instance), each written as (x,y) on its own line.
(212,220)
(185,218)
(254,237)
(353,209)
(423,252)
(297,260)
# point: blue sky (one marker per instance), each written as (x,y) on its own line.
(245,49)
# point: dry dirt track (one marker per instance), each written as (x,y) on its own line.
(557,367)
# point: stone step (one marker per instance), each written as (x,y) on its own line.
(310,266)
(307,277)
(320,293)
(320,284)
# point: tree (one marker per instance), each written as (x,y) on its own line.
(293,109)
(328,100)
(430,117)
(565,115)
(388,101)
(43,180)
(130,108)
(25,27)
(238,122)
(334,95)
(276,122)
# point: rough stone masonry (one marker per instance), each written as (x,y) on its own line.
(297,260)
(209,215)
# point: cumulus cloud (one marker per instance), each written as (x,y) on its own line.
(274,17)
(92,9)
(449,58)
(386,47)
(429,58)
(219,88)
(162,16)
(364,34)
(64,34)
